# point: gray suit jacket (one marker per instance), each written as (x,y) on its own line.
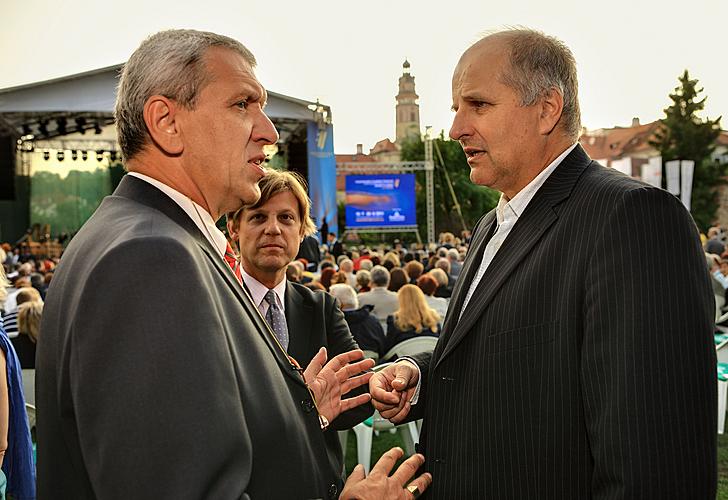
(584,365)
(156,377)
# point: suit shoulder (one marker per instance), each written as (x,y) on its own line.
(311,296)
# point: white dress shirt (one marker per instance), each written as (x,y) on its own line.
(258,291)
(200,216)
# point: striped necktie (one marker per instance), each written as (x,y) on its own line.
(232,261)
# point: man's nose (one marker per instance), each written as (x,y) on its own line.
(460,127)
(272,227)
(264,131)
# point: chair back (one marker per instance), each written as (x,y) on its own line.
(415,345)
(28,375)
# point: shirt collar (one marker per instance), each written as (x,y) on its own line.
(511,210)
(258,290)
(200,216)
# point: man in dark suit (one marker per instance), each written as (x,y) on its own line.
(334,245)
(576,360)
(268,234)
(156,375)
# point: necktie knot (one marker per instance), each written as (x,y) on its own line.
(232,261)
(270,297)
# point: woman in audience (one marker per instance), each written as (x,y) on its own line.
(397,279)
(17,477)
(442,281)
(10,320)
(29,314)
(413,318)
(363,278)
(414,270)
(364,326)
(339,277)
(326,274)
(428,285)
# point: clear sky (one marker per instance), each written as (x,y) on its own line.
(349,54)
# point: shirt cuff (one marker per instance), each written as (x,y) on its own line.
(416,395)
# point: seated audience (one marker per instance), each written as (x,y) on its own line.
(443,290)
(414,270)
(339,277)
(10,320)
(428,285)
(29,316)
(347,267)
(326,274)
(365,327)
(363,277)
(397,279)
(413,318)
(293,272)
(453,256)
(384,301)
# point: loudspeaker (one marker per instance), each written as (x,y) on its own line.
(7,168)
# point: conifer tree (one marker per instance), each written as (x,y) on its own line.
(683,135)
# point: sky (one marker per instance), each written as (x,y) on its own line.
(349,55)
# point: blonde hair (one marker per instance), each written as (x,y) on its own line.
(275,182)
(393,258)
(29,314)
(414,312)
(4,283)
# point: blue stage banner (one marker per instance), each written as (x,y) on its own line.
(380,200)
(322,176)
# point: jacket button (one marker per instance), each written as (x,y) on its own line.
(448,379)
(333,491)
(308,405)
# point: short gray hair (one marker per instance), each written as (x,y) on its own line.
(539,63)
(380,276)
(168,63)
(345,295)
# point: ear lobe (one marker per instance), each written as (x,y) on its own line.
(160,116)
(552,106)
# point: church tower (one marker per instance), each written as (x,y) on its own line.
(408,111)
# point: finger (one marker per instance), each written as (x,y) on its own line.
(408,469)
(397,415)
(385,464)
(405,376)
(355,382)
(343,359)
(354,368)
(356,475)
(315,366)
(382,392)
(349,403)
(422,483)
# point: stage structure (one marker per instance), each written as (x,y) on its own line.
(51,128)
(401,167)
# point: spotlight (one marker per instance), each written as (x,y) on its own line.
(60,156)
(74,155)
(46,155)
(99,154)
(61,125)
(84,155)
(81,124)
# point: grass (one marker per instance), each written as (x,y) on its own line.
(385,441)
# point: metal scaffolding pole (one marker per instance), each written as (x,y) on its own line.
(429,187)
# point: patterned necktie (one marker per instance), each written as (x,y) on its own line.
(276,320)
(232,261)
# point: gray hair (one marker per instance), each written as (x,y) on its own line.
(345,295)
(539,63)
(380,276)
(169,63)
(453,254)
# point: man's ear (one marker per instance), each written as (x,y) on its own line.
(552,106)
(160,115)
(232,228)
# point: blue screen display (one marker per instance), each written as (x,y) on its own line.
(380,200)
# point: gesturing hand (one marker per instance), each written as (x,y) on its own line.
(379,485)
(392,389)
(329,381)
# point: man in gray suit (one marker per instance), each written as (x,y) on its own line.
(576,360)
(157,377)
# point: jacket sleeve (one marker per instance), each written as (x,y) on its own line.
(648,359)
(149,370)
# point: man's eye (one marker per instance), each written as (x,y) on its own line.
(242,104)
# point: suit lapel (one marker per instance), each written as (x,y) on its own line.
(539,216)
(298,320)
(143,192)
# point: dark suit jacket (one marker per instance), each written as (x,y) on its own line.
(584,365)
(156,377)
(314,320)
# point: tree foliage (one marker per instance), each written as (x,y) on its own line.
(474,200)
(683,135)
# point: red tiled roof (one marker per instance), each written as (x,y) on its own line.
(383,146)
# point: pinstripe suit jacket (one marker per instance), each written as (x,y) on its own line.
(583,366)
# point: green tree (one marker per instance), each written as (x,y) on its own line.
(683,135)
(474,200)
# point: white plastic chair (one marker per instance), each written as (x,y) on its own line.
(28,375)
(415,345)
(722,396)
(375,424)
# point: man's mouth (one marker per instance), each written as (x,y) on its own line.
(473,153)
(257,161)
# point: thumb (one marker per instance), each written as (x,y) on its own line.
(315,366)
(403,375)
